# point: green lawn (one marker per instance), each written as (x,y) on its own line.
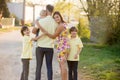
(100,61)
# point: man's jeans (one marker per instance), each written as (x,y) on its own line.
(40,52)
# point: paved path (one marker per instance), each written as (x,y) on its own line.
(10,62)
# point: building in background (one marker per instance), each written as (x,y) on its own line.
(16,8)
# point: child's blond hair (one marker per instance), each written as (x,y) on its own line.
(43,13)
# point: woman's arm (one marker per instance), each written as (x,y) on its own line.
(57,32)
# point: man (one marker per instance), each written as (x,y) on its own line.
(46,44)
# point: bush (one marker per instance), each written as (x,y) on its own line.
(113,36)
(17,21)
(28,24)
(83,30)
(4,8)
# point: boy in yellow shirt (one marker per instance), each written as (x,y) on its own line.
(73,57)
(27,51)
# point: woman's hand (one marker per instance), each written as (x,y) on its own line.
(63,58)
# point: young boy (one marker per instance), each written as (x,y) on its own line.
(26,55)
(73,57)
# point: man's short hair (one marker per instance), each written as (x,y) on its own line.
(50,8)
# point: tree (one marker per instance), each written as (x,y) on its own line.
(8,0)
(66,8)
(113,36)
(98,12)
(4,9)
(104,19)
(98,7)
(0,19)
(72,12)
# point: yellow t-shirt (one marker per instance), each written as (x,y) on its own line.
(27,48)
(49,24)
(75,44)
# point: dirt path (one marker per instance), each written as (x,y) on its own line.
(10,62)
(10,49)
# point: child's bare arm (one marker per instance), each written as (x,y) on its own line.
(38,37)
(78,52)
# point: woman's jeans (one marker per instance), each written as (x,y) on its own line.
(40,53)
(72,70)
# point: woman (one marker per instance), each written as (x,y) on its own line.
(62,42)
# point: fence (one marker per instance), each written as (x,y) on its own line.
(8,22)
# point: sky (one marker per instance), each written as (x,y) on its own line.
(43,1)
(46,1)
(38,1)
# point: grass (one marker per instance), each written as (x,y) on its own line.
(102,62)
(2,30)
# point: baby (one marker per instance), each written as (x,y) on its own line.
(43,14)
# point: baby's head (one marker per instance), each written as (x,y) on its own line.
(25,31)
(43,13)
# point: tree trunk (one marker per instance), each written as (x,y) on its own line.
(98,27)
(0,19)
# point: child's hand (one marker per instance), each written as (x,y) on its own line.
(35,39)
(45,32)
(76,56)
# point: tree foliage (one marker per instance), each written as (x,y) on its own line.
(114,29)
(4,9)
(67,9)
(109,9)
(8,0)
(98,7)
(83,29)
(72,11)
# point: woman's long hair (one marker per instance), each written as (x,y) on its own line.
(58,13)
